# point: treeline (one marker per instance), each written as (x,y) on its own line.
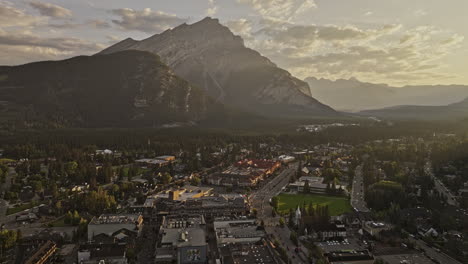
(38,143)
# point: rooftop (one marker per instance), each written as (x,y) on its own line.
(115,219)
(183,237)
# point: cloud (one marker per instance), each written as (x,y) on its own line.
(303,36)
(20,47)
(380,53)
(98,24)
(241,27)
(57,43)
(94,23)
(212,9)
(50,10)
(145,20)
(280,9)
(12,16)
(420,13)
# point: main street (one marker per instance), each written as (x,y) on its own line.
(261,201)
(357,194)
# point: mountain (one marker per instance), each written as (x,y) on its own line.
(209,55)
(455,111)
(128,88)
(353,95)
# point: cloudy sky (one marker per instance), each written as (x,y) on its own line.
(397,42)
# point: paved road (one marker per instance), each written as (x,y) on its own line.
(261,200)
(440,187)
(432,253)
(357,193)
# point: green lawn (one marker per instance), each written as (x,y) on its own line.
(19,208)
(337,205)
(59,222)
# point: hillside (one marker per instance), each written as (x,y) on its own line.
(129,88)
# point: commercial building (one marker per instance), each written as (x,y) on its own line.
(112,225)
(102,253)
(185,193)
(350,257)
(43,253)
(247,253)
(244,173)
(233,231)
(183,240)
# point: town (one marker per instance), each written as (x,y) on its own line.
(239,201)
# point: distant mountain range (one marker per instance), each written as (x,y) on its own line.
(451,112)
(129,88)
(210,56)
(353,95)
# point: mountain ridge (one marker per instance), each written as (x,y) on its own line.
(454,111)
(354,95)
(209,55)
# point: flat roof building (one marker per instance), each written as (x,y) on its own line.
(110,224)
(183,239)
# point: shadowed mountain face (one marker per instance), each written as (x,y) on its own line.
(353,95)
(455,111)
(122,89)
(209,55)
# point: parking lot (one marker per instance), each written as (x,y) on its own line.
(406,259)
(347,244)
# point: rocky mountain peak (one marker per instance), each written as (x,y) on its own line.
(210,56)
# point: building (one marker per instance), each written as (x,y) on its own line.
(315,185)
(234,231)
(350,257)
(168,158)
(182,240)
(335,230)
(43,253)
(286,159)
(185,193)
(114,224)
(152,162)
(374,228)
(102,253)
(244,173)
(247,253)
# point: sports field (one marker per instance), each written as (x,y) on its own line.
(337,205)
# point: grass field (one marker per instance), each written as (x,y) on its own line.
(337,205)
(19,208)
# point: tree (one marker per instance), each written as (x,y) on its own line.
(195,181)
(291,218)
(306,187)
(275,202)
(8,239)
(166,178)
(97,202)
(281,222)
(254,212)
(58,208)
(293,238)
